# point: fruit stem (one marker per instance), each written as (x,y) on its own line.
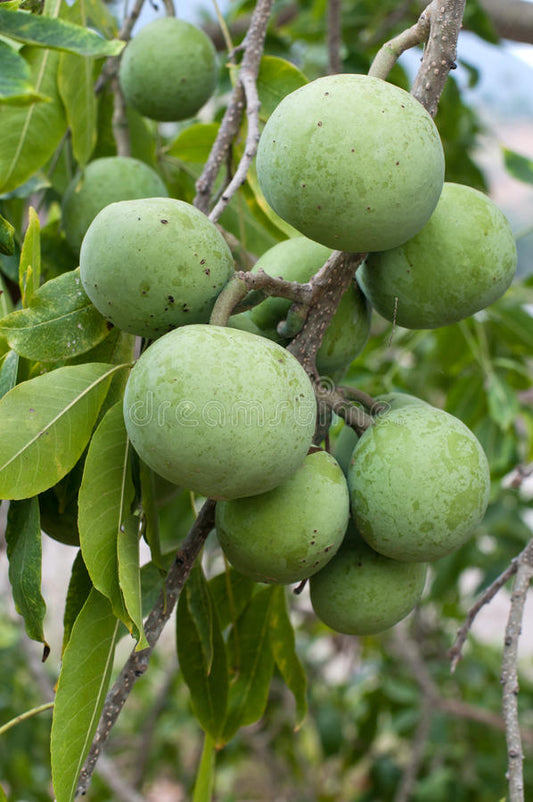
(233,292)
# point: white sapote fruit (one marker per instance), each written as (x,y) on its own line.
(220,411)
(361,592)
(290,532)
(168,71)
(104,181)
(462,261)
(153,264)
(352,162)
(298,259)
(419,483)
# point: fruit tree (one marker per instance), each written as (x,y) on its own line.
(265,406)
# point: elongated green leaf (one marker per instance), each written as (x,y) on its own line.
(253,664)
(283,646)
(277,78)
(502,402)
(149,512)
(30,259)
(205,778)
(56,33)
(7,239)
(194,143)
(518,166)
(81,690)
(59,323)
(104,502)
(23,538)
(5,301)
(208,688)
(203,612)
(231,592)
(15,84)
(76,86)
(78,591)
(8,372)
(129,574)
(45,424)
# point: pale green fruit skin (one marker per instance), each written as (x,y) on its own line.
(291,532)
(153,264)
(244,322)
(220,411)
(419,483)
(104,181)
(462,261)
(168,70)
(361,592)
(298,259)
(352,162)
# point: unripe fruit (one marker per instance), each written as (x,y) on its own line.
(361,592)
(419,483)
(289,533)
(298,259)
(352,162)
(168,70)
(459,263)
(220,411)
(153,264)
(105,181)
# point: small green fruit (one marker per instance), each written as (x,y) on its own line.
(105,181)
(291,532)
(298,259)
(459,263)
(352,162)
(153,264)
(360,592)
(168,70)
(220,411)
(419,483)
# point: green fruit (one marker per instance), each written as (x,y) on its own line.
(220,411)
(419,483)
(298,259)
(153,264)
(290,532)
(244,322)
(361,592)
(459,263)
(344,447)
(105,181)
(352,162)
(168,70)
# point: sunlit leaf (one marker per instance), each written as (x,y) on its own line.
(277,78)
(520,167)
(30,259)
(7,238)
(194,144)
(15,79)
(283,645)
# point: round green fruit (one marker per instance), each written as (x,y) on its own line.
(153,264)
(105,181)
(459,263)
(361,592)
(290,532)
(168,70)
(220,411)
(352,162)
(419,483)
(298,259)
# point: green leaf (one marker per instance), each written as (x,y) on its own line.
(253,663)
(205,778)
(7,238)
(129,574)
(59,323)
(202,611)
(23,538)
(8,372)
(208,686)
(31,134)
(15,85)
(231,592)
(518,166)
(502,402)
(283,645)
(57,34)
(30,259)
(276,78)
(5,300)
(81,691)
(194,143)
(149,513)
(45,424)
(79,587)
(104,502)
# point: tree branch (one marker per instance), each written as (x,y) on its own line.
(137,662)
(334,36)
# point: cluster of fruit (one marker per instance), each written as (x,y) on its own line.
(352,163)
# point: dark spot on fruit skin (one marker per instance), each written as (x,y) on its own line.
(166,309)
(319,123)
(164,222)
(143,292)
(319,207)
(109,325)
(170,299)
(185,308)
(207,271)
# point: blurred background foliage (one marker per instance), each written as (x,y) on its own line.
(369,701)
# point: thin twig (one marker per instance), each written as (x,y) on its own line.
(391,51)
(334,36)
(110,68)
(137,662)
(121,130)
